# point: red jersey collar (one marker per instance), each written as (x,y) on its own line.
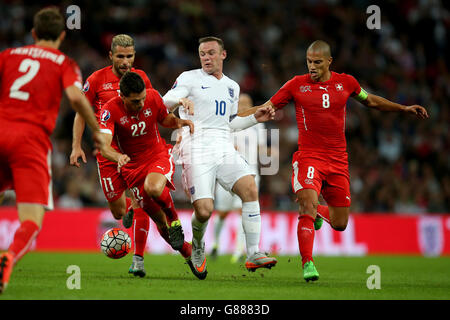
(329,80)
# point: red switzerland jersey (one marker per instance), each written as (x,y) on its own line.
(103,85)
(32,79)
(137,134)
(319,109)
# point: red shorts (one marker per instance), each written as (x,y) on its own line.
(327,173)
(135,174)
(25,164)
(113,184)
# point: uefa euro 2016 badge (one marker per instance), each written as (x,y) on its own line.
(105,115)
(231,92)
(86,86)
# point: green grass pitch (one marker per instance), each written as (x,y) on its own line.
(44,276)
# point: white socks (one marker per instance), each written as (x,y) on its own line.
(251,222)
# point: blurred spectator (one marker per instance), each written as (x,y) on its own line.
(397,163)
(71,198)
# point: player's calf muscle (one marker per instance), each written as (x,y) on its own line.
(118,208)
(246,189)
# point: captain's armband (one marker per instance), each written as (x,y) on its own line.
(361,96)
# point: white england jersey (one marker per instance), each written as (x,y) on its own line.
(215,100)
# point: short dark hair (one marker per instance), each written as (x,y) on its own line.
(48,23)
(211,38)
(131,82)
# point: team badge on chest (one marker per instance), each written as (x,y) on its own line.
(107,86)
(231,92)
(339,87)
(147,113)
(124,120)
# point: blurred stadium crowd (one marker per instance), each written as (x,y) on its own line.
(397,163)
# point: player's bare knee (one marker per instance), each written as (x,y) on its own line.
(203,214)
(308,207)
(339,225)
(153,190)
(117,213)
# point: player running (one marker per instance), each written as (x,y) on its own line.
(247,142)
(32,79)
(99,88)
(143,158)
(321,163)
(208,155)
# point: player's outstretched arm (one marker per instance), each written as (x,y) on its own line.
(262,114)
(82,106)
(382,104)
(77,132)
(111,154)
(171,121)
(253,110)
(252,116)
(185,102)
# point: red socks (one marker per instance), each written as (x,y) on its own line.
(186,250)
(305,236)
(141,227)
(23,238)
(324,212)
(166,203)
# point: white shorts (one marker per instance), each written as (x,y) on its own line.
(199,180)
(227,200)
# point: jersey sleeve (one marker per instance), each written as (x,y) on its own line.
(235,105)
(180,89)
(71,74)
(89,88)
(356,91)
(162,109)
(284,95)
(107,119)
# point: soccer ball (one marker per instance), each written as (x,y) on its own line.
(116,243)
